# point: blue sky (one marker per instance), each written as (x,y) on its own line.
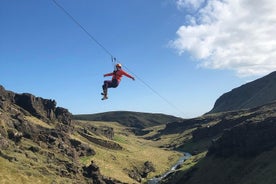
(189,51)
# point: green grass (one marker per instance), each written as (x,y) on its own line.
(136,151)
(11,173)
(120,139)
(191,162)
(29,167)
(112,163)
(196,147)
(37,121)
(254,170)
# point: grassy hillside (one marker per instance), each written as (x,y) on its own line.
(41,143)
(130,119)
(212,170)
(136,151)
(250,95)
(240,149)
(20,164)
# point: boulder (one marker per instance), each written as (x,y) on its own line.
(92,171)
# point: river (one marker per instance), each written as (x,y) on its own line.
(156,180)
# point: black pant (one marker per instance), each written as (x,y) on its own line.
(109,84)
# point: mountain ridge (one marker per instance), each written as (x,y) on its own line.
(132,119)
(234,143)
(249,95)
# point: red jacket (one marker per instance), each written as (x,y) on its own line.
(118,74)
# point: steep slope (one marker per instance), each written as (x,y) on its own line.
(241,148)
(252,94)
(131,119)
(36,143)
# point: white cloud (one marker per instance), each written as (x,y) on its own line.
(189,4)
(239,35)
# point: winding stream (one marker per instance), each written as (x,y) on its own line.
(156,180)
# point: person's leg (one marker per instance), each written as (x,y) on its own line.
(105,86)
(108,84)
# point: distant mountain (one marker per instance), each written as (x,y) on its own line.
(250,95)
(130,119)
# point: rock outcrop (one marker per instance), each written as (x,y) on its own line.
(37,130)
(104,143)
(246,139)
(138,173)
(247,133)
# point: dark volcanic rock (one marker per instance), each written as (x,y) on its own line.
(63,115)
(15,136)
(137,173)
(134,174)
(34,128)
(93,172)
(101,142)
(224,121)
(246,139)
(83,150)
(179,127)
(44,109)
(147,168)
(103,130)
(6,95)
(38,107)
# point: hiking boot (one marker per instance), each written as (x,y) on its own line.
(104,98)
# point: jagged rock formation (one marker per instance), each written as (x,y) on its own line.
(253,134)
(242,131)
(41,132)
(246,139)
(250,95)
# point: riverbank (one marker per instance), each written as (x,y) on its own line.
(181,160)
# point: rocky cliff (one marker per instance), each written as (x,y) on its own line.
(252,134)
(37,134)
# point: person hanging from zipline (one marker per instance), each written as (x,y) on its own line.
(117,75)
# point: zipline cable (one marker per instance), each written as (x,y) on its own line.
(113,59)
(154,91)
(89,35)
